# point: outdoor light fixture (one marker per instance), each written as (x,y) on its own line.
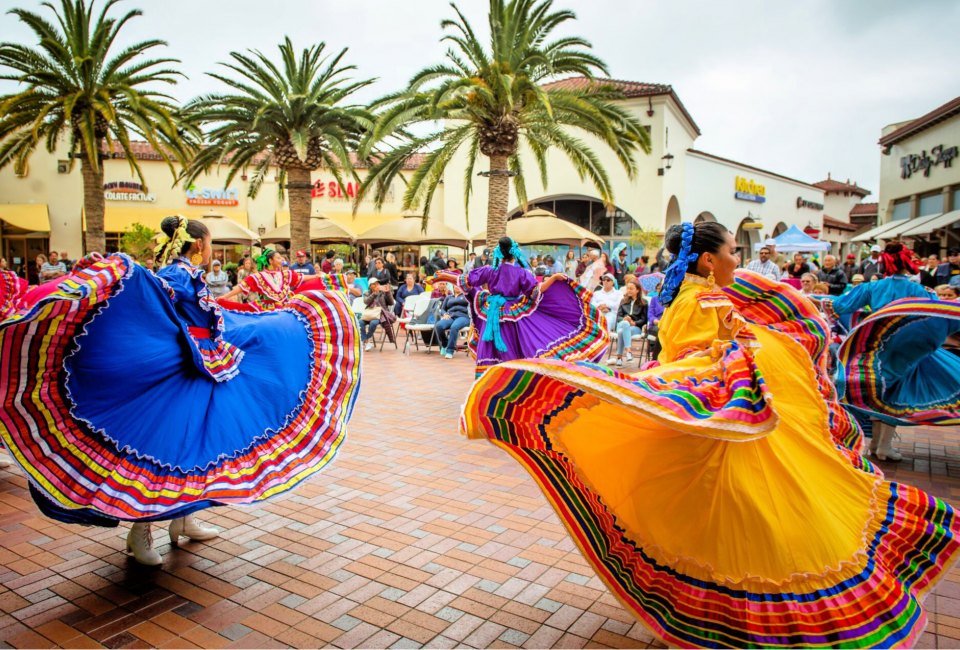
(261,231)
(667,164)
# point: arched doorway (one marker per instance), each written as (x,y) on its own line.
(673,213)
(705,217)
(779,229)
(615,226)
(748,234)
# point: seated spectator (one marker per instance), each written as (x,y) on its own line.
(807,282)
(607,300)
(378,302)
(947,292)
(949,270)
(337,266)
(631,317)
(381,273)
(218,282)
(408,288)
(654,314)
(798,267)
(855,279)
(833,276)
(452,265)
(764,265)
(454,316)
(53,269)
(353,291)
(441,289)
(327,264)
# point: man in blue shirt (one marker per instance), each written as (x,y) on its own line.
(302,265)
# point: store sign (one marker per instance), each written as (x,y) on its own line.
(207,196)
(749,190)
(803,203)
(333,190)
(126,191)
(939,155)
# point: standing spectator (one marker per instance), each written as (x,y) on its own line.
(621,266)
(928,272)
(426,270)
(947,271)
(607,300)
(149,262)
(586,259)
(390,263)
(590,276)
(246,268)
(455,315)
(484,258)
(607,265)
(372,264)
(850,266)
(381,273)
(439,261)
(798,267)
(409,288)
(327,264)
(554,266)
(764,265)
(641,265)
(570,265)
(631,317)
(452,265)
(3,264)
(832,276)
(471,263)
(53,269)
(303,265)
(777,258)
(378,299)
(872,265)
(218,282)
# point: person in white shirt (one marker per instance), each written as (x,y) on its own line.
(764,265)
(607,299)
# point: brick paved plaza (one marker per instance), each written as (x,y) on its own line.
(413,537)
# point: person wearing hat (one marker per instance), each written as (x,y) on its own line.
(378,297)
(302,264)
(850,266)
(607,299)
(350,277)
(873,265)
(218,282)
(949,271)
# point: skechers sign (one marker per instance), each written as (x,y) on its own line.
(126,191)
(749,190)
(207,196)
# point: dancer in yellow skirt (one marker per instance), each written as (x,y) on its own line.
(719,495)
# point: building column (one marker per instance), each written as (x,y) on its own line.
(948,199)
(914,206)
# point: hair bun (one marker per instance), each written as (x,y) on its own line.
(169,225)
(893,248)
(673,239)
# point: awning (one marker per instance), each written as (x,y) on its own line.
(936,223)
(119,218)
(321,231)
(880,231)
(31,217)
(409,230)
(363,221)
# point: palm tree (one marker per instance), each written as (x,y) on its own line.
(491,99)
(75,86)
(292,116)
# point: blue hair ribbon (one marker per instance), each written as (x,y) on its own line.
(515,251)
(673,277)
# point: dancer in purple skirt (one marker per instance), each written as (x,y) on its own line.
(514,317)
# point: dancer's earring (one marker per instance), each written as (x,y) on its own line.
(197,258)
(711,281)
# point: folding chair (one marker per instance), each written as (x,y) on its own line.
(417,327)
(413,327)
(406,315)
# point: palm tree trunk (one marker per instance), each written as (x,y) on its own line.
(298,183)
(94,240)
(498,197)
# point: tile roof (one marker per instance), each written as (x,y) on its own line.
(145,151)
(939,114)
(837,224)
(629,89)
(864,210)
(831,185)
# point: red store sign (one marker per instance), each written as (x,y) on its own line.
(333,190)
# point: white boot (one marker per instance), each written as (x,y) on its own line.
(140,543)
(189,527)
(885,450)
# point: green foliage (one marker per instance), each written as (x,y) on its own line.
(74,83)
(651,240)
(492,97)
(138,240)
(291,115)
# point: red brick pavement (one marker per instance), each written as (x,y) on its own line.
(414,537)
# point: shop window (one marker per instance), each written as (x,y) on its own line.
(955,204)
(931,204)
(901,209)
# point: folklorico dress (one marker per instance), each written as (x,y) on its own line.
(273,288)
(129,396)
(719,495)
(513,319)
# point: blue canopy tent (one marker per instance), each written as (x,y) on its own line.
(794,240)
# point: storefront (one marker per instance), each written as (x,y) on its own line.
(920,182)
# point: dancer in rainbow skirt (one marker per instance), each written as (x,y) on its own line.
(134,397)
(719,494)
(516,318)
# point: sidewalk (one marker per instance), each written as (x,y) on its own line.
(413,537)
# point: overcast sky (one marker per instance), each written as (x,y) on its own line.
(799,88)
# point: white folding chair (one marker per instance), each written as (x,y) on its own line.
(414,329)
